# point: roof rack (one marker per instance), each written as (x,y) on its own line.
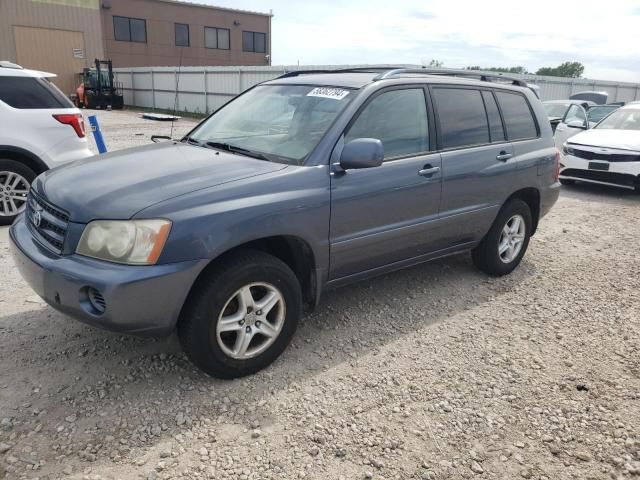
(482,76)
(5,64)
(296,73)
(388,72)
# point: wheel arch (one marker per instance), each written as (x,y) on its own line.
(531,196)
(292,250)
(23,156)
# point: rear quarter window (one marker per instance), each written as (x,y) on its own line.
(28,93)
(518,118)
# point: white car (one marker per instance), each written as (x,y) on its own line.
(40,129)
(578,119)
(607,154)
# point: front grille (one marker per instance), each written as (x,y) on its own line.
(601,176)
(48,223)
(607,157)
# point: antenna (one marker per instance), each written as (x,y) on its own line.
(175,101)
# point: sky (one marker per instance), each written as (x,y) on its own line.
(602,35)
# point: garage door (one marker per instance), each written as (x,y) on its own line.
(57,51)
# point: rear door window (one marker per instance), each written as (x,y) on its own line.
(30,93)
(517,115)
(462,117)
(398,118)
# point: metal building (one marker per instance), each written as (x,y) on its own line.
(65,36)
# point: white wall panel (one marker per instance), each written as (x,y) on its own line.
(222,83)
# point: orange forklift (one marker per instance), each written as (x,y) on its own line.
(97,88)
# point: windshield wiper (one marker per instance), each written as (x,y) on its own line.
(193,141)
(234,149)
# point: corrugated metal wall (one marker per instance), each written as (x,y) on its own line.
(205,89)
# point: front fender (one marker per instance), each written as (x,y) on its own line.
(292,202)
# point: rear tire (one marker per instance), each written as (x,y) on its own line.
(566,181)
(502,249)
(15,183)
(241,315)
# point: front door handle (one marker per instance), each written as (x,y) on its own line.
(429,171)
(504,156)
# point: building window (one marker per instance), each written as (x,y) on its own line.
(254,42)
(182,35)
(130,29)
(217,38)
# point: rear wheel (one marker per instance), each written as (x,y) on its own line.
(241,316)
(502,249)
(15,183)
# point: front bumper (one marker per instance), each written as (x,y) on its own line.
(141,300)
(619,174)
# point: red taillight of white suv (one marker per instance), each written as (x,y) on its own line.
(76,120)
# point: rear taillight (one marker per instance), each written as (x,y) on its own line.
(73,119)
(557,164)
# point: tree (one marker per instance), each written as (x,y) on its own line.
(436,63)
(567,69)
(499,69)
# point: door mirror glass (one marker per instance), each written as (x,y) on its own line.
(576,117)
(362,153)
(577,124)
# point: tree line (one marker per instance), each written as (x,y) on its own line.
(566,69)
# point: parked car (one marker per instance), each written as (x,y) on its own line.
(607,154)
(41,129)
(598,98)
(578,119)
(557,110)
(228,234)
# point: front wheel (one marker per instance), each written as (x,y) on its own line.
(502,249)
(15,183)
(241,316)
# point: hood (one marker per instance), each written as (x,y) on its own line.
(608,138)
(120,184)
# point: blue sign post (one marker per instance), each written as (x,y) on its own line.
(97,134)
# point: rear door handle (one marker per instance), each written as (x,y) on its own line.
(429,171)
(504,156)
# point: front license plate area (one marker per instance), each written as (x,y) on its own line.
(598,166)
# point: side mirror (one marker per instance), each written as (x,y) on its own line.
(362,153)
(577,124)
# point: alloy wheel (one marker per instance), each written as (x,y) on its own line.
(512,239)
(14,189)
(250,321)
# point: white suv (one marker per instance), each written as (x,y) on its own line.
(41,129)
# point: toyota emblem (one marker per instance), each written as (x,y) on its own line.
(36,218)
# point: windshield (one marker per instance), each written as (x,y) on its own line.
(556,109)
(279,122)
(598,113)
(625,119)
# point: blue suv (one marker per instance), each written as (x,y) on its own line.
(301,184)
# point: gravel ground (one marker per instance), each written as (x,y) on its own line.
(435,372)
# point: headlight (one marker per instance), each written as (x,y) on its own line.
(567,150)
(134,242)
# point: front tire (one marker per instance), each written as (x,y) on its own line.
(15,183)
(502,249)
(241,315)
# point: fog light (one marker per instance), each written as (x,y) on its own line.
(96,301)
